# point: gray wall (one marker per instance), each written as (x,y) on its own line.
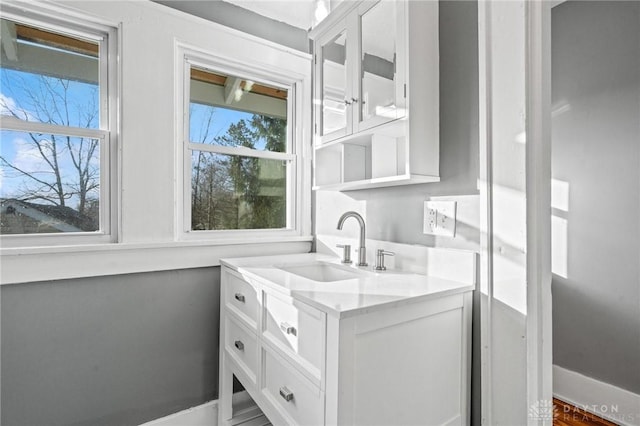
(596,150)
(395,214)
(118,350)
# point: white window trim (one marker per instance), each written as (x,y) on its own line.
(43,264)
(88,28)
(298,180)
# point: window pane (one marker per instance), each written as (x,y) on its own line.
(48,183)
(230,111)
(48,77)
(233,192)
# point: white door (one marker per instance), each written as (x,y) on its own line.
(515,260)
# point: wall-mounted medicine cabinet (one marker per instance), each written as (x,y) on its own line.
(376,95)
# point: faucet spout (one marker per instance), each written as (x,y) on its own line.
(362,251)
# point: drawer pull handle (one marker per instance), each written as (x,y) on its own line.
(289,329)
(286,394)
(239,297)
(239,345)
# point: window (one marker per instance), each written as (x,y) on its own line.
(56,141)
(241,165)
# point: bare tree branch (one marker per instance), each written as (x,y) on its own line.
(11,166)
(50,100)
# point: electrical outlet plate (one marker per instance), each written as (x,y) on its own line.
(440,218)
(430,218)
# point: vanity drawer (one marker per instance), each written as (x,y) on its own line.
(296,399)
(242,346)
(241,297)
(296,329)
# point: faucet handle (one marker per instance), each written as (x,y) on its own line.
(380,254)
(346,252)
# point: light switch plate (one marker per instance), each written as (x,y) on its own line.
(440,218)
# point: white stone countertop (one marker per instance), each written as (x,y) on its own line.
(368,291)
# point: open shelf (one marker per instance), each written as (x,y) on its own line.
(377,158)
(378,183)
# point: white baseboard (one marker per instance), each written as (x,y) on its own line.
(202,415)
(605,400)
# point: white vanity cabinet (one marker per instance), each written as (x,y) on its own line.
(401,363)
(376,108)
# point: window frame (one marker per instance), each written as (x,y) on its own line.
(106,36)
(297,181)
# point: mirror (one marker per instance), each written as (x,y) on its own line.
(378,62)
(334,83)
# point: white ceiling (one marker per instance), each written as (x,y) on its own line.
(299,13)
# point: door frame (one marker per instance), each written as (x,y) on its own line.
(537,91)
(539,300)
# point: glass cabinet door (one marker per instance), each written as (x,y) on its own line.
(378,68)
(335,105)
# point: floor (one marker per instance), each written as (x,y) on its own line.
(568,415)
(246,412)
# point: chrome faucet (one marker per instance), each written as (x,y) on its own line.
(362,251)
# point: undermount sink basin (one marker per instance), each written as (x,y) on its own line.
(323,272)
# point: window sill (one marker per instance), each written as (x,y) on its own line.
(23,265)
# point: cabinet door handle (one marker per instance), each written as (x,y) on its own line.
(239,345)
(289,329)
(239,297)
(286,394)
(347,102)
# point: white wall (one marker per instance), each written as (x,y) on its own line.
(149,33)
(149,145)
